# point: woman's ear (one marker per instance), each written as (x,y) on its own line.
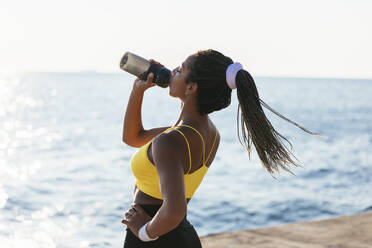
(191,88)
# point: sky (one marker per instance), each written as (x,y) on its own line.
(294,38)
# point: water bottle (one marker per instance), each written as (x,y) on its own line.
(141,68)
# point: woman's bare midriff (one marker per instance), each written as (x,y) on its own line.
(142,198)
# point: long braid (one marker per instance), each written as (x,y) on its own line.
(257,129)
(209,72)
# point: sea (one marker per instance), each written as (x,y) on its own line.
(65,179)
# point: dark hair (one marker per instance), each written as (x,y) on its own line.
(208,70)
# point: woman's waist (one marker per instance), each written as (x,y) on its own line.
(152,209)
(141,197)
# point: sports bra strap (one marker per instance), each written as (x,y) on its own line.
(210,152)
(188,145)
(200,137)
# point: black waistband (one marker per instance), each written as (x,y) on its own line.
(151,210)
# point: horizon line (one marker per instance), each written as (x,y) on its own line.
(294,76)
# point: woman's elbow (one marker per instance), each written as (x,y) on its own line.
(176,218)
(176,215)
(126,140)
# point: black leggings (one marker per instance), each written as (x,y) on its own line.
(183,236)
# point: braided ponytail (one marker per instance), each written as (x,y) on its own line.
(257,129)
(209,72)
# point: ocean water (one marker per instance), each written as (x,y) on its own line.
(65,179)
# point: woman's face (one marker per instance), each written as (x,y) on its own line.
(178,85)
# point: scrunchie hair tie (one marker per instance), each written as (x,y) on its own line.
(231,72)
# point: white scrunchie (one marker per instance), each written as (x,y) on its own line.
(231,72)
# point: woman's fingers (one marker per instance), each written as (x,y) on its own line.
(150,77)
(156,62)
(127,215)
(130,213)
(149,81)
(138,208)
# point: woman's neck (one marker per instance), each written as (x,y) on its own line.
(190,115)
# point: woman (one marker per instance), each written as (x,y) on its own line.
(172,161)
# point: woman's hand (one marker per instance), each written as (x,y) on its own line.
(135,218)
(156,62)
(142,85)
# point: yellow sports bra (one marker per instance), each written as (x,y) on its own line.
(147,179)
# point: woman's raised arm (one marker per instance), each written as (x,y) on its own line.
(133,132)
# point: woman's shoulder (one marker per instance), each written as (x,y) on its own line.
(175,137)
(167,149)
(169,141)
